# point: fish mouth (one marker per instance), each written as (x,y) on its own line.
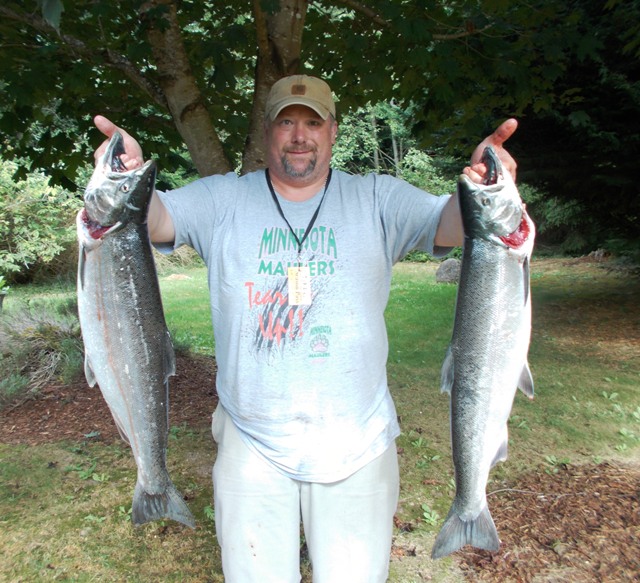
(112,157)
(115,195)
(95,229)
(520,236)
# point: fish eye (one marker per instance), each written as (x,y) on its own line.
(124,188)
(485,201)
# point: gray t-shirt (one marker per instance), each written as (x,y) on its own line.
(305,384)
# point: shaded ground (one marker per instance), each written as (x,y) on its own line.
(581,523)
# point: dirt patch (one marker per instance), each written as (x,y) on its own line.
(579,524)
(75,411)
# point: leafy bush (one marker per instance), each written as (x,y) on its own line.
(420,169)
(36,222)
(38,346)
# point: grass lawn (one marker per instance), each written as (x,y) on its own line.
(64,506)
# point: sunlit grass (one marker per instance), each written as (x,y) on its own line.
(185,297)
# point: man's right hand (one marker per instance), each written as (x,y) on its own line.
(132,158)
(159,222)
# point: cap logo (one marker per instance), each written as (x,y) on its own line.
(298,89)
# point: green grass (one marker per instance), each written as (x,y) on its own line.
(185,298)
(64,506)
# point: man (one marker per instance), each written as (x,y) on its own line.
(299,259)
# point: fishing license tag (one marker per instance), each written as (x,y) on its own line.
(299,286)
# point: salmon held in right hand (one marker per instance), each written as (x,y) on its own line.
(487,358)
(128,350)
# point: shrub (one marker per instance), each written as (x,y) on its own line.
(38,346)
(36,222)
(421,170)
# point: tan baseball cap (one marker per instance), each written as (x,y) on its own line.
(300,90)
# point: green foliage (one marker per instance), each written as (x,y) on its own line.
(36,221)
(4,288)
(356,145)
(583,149)
(430,516)
(375,137)
(420,169)
(568,71)
(379,138)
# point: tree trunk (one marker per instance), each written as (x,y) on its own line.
(279,37)
(185,101)
(396,153)
(376,149)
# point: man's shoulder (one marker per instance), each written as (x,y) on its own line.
(372,181)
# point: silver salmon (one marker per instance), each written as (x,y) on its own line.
(128,350)
(487,358)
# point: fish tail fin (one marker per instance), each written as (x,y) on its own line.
(168,504)
(456,533)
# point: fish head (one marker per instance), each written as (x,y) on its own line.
(116,196)
(491,210)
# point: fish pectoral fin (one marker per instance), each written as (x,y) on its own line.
(447,374)
(169,356)
(525,383)
(503,449)
(88,372)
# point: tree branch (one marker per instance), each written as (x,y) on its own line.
(184,98)
(377,19)
(78,48)
(366,11)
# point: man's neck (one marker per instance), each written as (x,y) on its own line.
(297,189)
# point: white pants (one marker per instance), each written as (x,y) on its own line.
(348,524)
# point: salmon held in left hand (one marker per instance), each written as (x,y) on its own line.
(487,358)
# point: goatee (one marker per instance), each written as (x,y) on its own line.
(293,172)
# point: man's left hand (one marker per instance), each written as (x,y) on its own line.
(477,170)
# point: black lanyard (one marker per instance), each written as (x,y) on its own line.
(313,218)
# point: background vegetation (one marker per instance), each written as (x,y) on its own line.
(190,79)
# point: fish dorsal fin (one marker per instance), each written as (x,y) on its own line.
(525,383)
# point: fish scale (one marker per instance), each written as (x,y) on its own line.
(487,358)
(128,349)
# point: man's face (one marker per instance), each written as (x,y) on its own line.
(299,144)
